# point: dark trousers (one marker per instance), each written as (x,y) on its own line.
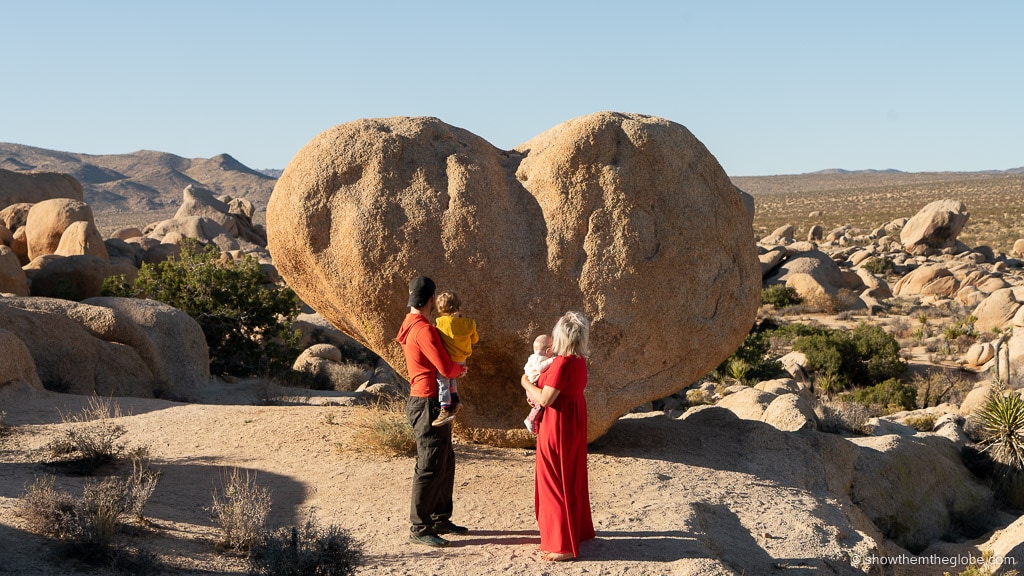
(434,478)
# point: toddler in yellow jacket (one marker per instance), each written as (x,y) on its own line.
(458,335)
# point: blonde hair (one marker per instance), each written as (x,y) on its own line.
(447,302)
(571,336)
(540,343)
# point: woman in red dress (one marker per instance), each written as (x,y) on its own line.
(562,496)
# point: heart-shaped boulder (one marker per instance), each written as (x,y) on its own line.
(627,218)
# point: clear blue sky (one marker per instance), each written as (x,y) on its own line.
(771,87)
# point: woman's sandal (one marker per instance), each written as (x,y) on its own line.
(554,557)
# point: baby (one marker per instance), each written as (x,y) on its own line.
(458,335)
(537,363)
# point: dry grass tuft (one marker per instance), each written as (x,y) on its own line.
(383,428)
(91,437)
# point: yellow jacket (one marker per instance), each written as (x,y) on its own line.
(458,335)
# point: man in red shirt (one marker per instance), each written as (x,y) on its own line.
(434,478)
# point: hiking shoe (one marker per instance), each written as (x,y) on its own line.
(447,527)
(432,540)
(443,418)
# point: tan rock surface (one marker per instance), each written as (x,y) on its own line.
(172,344)
(47,221)
(15,215)
(68,357)
(748,403)
(915,490)
(82,238)
(17,361)
(12,278)
(628,218)
(16,187)
(996,311)
(933,279)
(936,226)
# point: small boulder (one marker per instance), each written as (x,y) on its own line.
(791,412)
(15,216)
(1018,248)
(976,398)
(127,233)
(82,238)
(748,403)
(979,353)
(12,278)
(18,363)
(816,233)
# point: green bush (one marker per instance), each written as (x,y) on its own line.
(311,549)
(864,356)
(247,325)
(752,361)
(891,395)
(780,296)
(880,266)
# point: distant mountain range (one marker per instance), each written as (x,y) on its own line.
(148,180)
(144,180)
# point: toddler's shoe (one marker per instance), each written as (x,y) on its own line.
(443,418)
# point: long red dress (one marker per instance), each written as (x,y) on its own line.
(562,496)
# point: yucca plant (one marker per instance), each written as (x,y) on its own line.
(738,369)
(1001,420)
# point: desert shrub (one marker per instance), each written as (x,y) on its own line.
(753,359)
(938,386)
(921,422)
(780,296)
(864,356)
(310,549)
(343,377)
(247,325)
(879,265)
(384,429)
(842,417)
(46,510)
(890,396)
(1000,421)
(697,397)
(91,437)
(91,521)
(240,510)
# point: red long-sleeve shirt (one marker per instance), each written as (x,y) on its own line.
(425,356)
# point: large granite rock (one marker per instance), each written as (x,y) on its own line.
(627,218)
(69,356)
(170,342)
(935,226)
(17,187)
(48,220)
